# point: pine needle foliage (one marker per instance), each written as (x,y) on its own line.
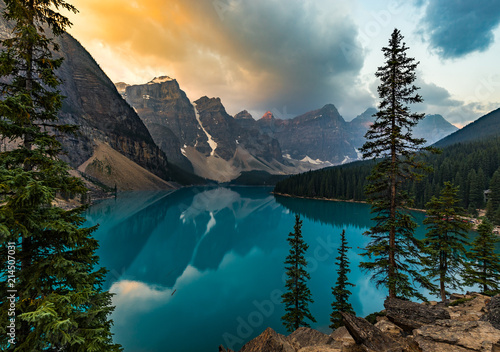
(59,301)
(446,239)
(395,251)
(484,266)
(298,295)
(341,292)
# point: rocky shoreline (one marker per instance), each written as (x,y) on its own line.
(466,323)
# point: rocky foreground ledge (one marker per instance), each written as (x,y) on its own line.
(472,324)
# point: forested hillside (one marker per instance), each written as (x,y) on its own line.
(468,165)
(487,126)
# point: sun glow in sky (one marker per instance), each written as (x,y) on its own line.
(294,56)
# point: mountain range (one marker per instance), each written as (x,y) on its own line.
(203,138)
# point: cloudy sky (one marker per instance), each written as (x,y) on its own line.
(293,56)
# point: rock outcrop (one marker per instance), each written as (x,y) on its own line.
(166,111)
(437,331)
(269,340)
(493,312)
(409,315)
(307,337)
(451,335)
(369,335)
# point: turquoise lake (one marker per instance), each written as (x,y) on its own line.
(201,267)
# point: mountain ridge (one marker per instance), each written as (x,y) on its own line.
(484,127)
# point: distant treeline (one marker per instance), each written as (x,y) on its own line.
(469,165)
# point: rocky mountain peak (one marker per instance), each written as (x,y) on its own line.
(328,115)
(433,128)
(366,118)
(161,79)
(267,116)
(243,115)
(121,87)
(211,104)
(330,108)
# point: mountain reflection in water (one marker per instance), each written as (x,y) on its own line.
(198,267)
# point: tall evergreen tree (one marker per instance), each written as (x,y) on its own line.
(484,268)
(59,301)
(298,295)
(494,198)
(340,291)
(389,138)
(446,239)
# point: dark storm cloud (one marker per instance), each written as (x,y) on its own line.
(457,28)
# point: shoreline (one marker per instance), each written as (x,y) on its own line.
(474,221)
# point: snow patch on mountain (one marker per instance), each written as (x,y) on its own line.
(359,154)
(309,160)
(183,150)
(211,142)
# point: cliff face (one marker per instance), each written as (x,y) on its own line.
(320,134)
(218,126)
(201,135)
(93,103)
(255,140)
(170,117)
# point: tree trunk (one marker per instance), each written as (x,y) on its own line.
(485,287)
(297,321)
(392,231)
(442,276)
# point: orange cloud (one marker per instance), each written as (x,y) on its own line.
(254,55)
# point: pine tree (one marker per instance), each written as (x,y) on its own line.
(446,239)
(59,301)
(396,250)
(484,268)
(494,199)
(298,295)
(340,291)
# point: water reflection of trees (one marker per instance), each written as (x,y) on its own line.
(339,214)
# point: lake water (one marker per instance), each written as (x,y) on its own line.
(202,267)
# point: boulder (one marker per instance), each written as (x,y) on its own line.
(389,328)
(268,341)
(370,336)
(455,296)
(222,349)
(305,337)
(493,312)
(409,315)
(457,336)
(470,310)
(341,338)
